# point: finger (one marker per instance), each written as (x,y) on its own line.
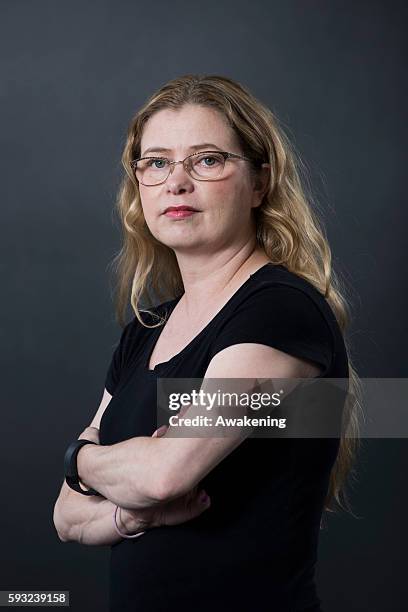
(182,411)
(90,433)
(160,431)
(199,503)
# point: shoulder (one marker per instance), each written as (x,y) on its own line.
(277,279)
(282,297)
(276,292)
(280,310)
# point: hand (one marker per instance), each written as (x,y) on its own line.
(174,512)
(162,430)
(90,433)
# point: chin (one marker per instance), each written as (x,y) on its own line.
(180,243)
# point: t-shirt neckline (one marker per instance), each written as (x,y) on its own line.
(164,364)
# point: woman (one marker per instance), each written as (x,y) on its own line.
(252,295)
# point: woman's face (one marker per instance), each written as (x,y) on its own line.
(224,205)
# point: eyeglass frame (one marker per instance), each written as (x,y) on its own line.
(172,164)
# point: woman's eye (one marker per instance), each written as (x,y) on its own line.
(156,161)
(212,160)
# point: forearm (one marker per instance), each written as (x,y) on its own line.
(126,473)
(89,519)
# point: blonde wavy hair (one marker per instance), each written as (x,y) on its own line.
(287,228)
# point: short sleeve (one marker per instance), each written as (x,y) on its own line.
(118,360)
(283,317)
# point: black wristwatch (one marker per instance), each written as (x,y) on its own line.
(71,469)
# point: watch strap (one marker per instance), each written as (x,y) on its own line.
(71,469)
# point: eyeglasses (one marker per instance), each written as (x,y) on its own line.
(201,166)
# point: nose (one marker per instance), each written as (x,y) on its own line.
(179,179)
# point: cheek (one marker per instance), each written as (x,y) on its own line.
(230,201)
(148,204)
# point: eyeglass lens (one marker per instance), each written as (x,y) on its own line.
(153,170)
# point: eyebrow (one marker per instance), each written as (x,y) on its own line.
(192,148)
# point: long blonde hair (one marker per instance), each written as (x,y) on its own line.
(287,228)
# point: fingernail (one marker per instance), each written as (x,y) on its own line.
(204,499)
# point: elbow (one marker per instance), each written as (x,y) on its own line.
(59,526)
(62,537)
(64,534)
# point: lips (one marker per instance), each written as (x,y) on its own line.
(179,208)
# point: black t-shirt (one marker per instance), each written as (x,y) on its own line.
(255,548)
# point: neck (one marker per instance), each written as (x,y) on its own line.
(217,277)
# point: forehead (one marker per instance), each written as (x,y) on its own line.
(189,125)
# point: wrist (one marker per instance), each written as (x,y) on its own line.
(83,464)
(129,522)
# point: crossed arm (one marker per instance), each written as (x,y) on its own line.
(141,472)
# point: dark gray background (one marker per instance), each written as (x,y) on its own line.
(73,74)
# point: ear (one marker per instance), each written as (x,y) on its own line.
(261,184)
